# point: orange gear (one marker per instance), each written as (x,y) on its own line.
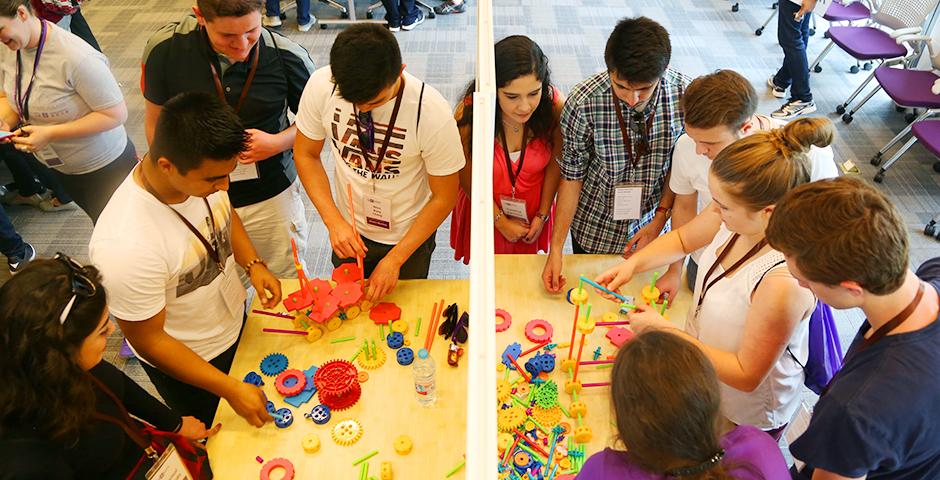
(509,419)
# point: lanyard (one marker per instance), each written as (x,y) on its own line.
(130,427)
(251,77)
(623,128)
(706,286)
(513,176)
(388,133)
(22,98)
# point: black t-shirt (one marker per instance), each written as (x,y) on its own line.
(177,59)
(880,417)
(103,451)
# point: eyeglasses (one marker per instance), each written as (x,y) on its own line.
(366,132)
(82,286)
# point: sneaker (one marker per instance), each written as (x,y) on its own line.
(306,26)
(10,196)
(272,21)
(449,7)
(778,92)
(793,109)
(415,23)
(52,204)
(393,27)
(17,264)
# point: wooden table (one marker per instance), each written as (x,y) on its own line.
(519,292)
(387,409)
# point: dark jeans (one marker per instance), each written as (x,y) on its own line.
(11,244)
(92,190)
(400,12)
(79,26)
(272,8)
(29,176)
(691,271)
(186,399)
(793,36)
(416,267)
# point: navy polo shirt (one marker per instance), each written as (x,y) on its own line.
(177,59)
(880,417)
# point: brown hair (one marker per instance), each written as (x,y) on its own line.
(666,403)
(842,229)
(211,9)
(762,167)
(8,8)
(723,98)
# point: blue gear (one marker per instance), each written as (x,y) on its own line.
(274,364)
(254,379)
(546,362)
(405,356)
(395,340)
(286,417)
(514,350)
(270,407)
(320,414)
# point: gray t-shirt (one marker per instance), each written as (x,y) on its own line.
(73,80)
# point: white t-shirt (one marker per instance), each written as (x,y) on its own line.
(720,324)
(690,170)
(150,260)
(431,148)
(73,80)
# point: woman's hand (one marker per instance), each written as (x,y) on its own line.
(646,318)
(512,230)
(615,277)
(32,138)
(194,429)
(535,229)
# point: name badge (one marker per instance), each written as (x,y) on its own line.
(514,207)
(233,292)
(49,156)
(378,211)
(628,198)
(244,171)
(169,467)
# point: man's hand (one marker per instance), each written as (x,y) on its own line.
(261,146)
(615,277)
(32,138)
(344,240)
(383,279)
(807,7)
(265,281)
(668,284)
(535,229)
(512,229)
(552,279)
(645,235)
(249,402)
(194,429)
(646,318)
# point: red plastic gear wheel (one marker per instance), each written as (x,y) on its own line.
(278,463)
(337,384)
(506,320)
(298,386)
(343,401)
(533,336)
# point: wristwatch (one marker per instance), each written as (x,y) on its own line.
(543,216)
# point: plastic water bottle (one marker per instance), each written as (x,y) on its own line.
(425,382)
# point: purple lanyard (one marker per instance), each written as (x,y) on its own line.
(22,99)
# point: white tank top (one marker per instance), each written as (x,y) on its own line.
(720,324)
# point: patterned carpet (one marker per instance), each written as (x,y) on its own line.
(706,36)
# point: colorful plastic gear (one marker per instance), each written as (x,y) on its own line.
(504,320)
(334,323)
(538,323)
(503,390)
(254,379)
(290,382)
(314,333)
(273,364)
(403,445)
(337,384)
(400,326)
(283,417)
(347,432)
(547,395)
(377,360)
(320,414)
(395,340)
(276,463)
(577,296)
(310,443)
(547,417)
(509,419)
(405,356)
(512,350)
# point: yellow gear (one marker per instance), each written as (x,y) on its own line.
(311,443)
(582,434)
(400,326)
(610,317)
(386,473)
(500,367)
(352,312)
(314,333)
(572,386)
(403,445)
(376,361)
(547,417)
(586,325)
(347,432)
(577,408)
(579,296)
(503,441)
(503,390)
(510,418)
(564,464)
(333,323)
(522,390)
(567,365)
(365,305)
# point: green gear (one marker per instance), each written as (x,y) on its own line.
(547,395)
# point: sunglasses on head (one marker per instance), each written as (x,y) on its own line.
(82,286)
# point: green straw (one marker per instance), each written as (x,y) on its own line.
(455,469)
(381,332)
(519,401)
(354,357)
(662,311)
(540,427)
(364,471)
(418,327)
(366,457)
(373,348)
(563,410)
(529,450)
(344,339)
(605,365)
(653,283)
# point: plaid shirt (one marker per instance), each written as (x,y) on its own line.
(594,153)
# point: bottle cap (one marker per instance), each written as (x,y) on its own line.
(422,354)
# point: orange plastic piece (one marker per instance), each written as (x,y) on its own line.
(385,313)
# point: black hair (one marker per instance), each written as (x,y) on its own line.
(516,56)
(638,50)
(196,126)
(211,9)
(43,385)
(365,59)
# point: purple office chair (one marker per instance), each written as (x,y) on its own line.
(925,131)
(848,13)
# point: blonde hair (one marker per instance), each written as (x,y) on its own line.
(760,168)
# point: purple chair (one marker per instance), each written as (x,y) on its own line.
(925,131)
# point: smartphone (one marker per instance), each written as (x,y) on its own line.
(4,134)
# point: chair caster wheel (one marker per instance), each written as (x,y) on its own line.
(322,26)
(840,109)
(370,15)
(931,229)
(817,68)
(853,69)
(826,35)
(876,160)
(735,7)
(812,32)
(936,167)
(909,117)
(774,6)
(866,66)
(283,16)
(898,108)
(431,14)
(344,15)
(759,31)
(879,177)
(847,118)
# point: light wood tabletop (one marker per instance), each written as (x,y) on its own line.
(386,410)
(519,291)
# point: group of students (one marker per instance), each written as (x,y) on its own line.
(215,205)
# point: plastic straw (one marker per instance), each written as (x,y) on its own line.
(344,339)
(366,457)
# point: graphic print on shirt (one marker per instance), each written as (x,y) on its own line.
(199,269)
(345,139)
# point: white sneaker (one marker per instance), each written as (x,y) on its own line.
(412,25)
(306,27)
(793,109)
(271,21)
(775,90)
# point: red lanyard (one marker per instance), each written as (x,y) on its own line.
(388,133)
(513,176)
(22,98)
(724,253)
(623,129)
(251,78)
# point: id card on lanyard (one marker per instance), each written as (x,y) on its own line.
(628,201)
(243,171)
(47,155)
(510,205)
(169,466)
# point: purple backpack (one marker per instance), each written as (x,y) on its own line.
(825,351)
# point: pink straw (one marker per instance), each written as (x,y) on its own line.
(610,324)
(597,362)
(586,385)
(276,330)
(273,314)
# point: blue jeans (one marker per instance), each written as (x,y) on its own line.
(793,36)
(272,8)
(400,12)
(11,244)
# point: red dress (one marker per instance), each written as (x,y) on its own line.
(528,187)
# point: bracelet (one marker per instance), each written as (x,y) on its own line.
(253,262)
(543,216)
(665,210)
